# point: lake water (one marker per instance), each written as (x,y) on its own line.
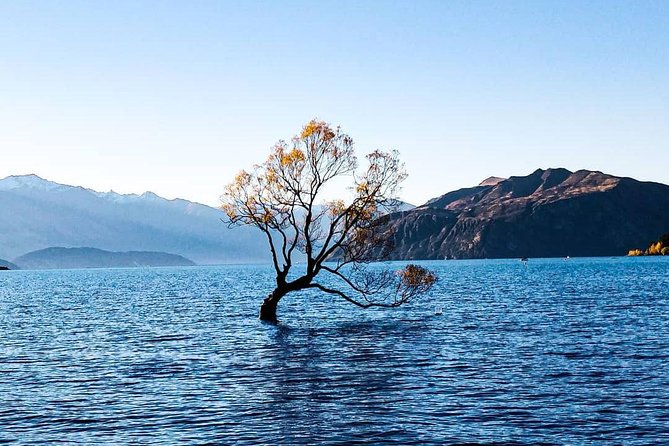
(558,352)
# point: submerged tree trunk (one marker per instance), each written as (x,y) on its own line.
(268,307)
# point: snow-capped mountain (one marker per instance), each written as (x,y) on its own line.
(27,182)
(36,213)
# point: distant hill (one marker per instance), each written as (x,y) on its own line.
(549,213)
(4,264)
(61,258)
(37,214)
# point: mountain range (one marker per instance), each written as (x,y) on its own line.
(37,214)
(549,213)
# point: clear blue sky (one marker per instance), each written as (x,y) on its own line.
(175,97)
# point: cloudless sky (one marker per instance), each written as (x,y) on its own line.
(176,97)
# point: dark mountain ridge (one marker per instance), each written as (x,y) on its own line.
(549,213)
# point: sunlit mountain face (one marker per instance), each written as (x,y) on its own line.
(548,213)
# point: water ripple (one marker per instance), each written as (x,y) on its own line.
(556,353)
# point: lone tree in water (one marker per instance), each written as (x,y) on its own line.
(282,198)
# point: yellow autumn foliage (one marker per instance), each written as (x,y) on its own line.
(661,247)
(320,128)
(654,249)
(293,157)
(336,208)
(414,276)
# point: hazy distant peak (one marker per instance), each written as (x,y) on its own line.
(116,197)
(126,198)
(36,182)
(491,181)
(30,181)
(112,195)
(148,195)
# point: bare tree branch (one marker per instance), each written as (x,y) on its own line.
(280,197)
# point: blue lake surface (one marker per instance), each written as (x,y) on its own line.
(558,352)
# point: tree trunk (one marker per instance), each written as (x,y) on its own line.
(268,307)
